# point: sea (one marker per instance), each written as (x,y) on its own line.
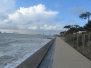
(15,48)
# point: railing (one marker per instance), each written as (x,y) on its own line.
(81,42)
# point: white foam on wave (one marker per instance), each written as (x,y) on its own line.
(15,62)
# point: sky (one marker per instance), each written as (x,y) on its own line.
(41,16)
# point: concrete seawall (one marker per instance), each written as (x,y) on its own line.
(48,59)
(35,60)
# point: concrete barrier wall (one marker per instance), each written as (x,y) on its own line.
(35,60)
(48,59)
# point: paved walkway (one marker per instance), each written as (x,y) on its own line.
(67,57)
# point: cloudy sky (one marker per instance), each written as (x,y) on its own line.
(41,16)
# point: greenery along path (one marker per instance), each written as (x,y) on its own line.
(67,57)
(70,29)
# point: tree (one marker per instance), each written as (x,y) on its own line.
(88,15)
(63,32)
(85,15)
(76,26)
(88,26)
(74,29)
(67,26)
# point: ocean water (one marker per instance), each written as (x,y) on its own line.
(15,48)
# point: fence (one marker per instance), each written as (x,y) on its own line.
(81,42)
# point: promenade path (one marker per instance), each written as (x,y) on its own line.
(67,57)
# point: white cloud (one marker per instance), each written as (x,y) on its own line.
(55,27)
(6,6)
(34,27)
(24,18)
